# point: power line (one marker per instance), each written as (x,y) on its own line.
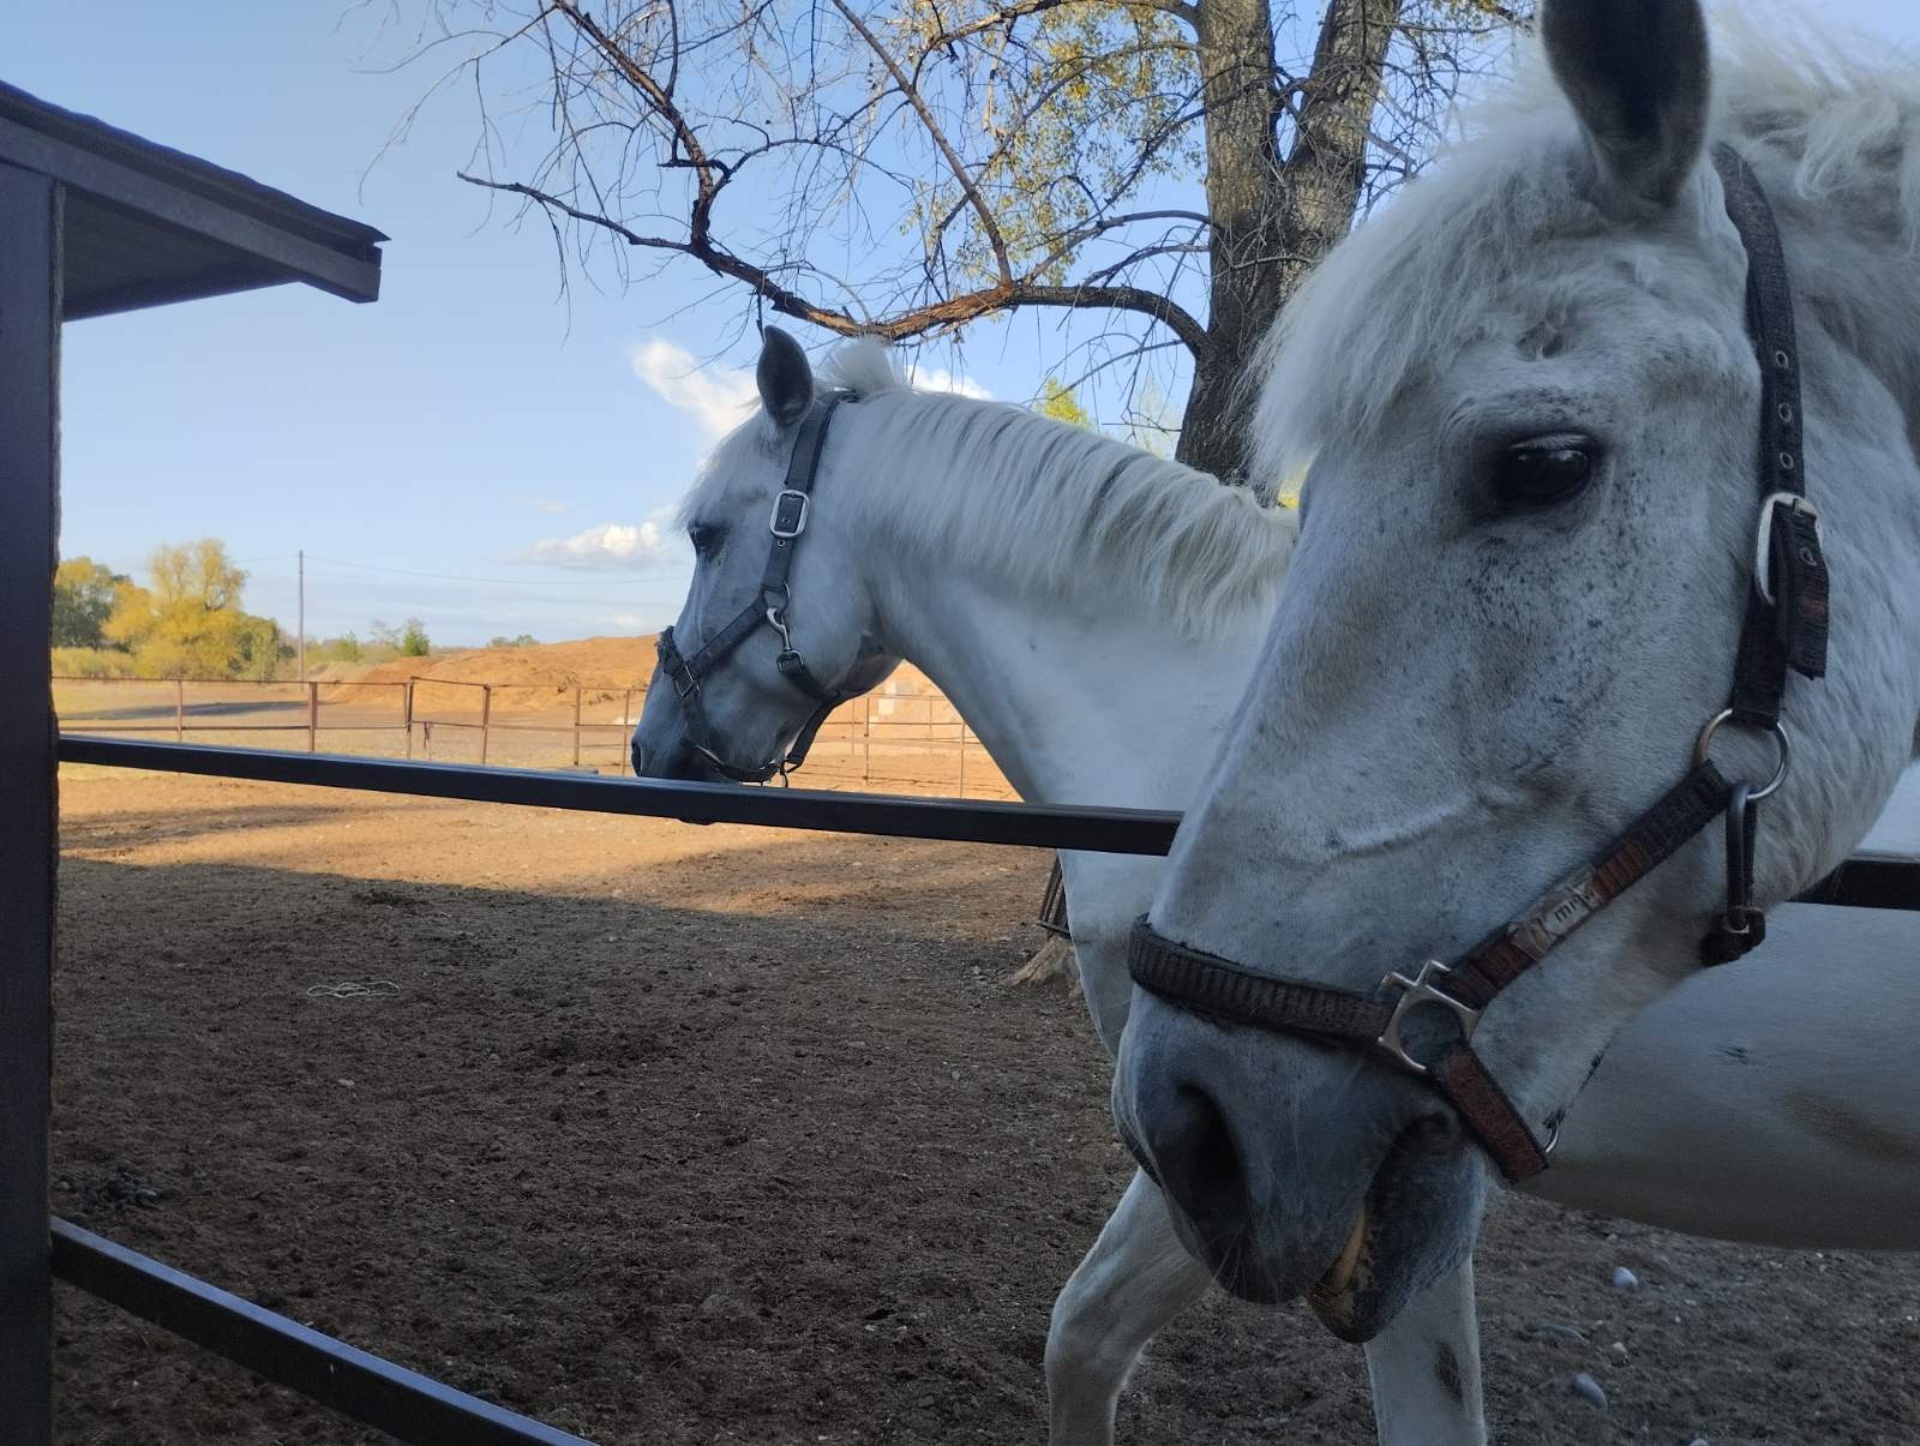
(481,581)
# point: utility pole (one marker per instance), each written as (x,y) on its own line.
(303,613)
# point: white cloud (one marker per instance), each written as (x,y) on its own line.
(610,546)
(939,379)
(719,398)
(552,506)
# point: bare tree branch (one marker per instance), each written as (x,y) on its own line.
(902,168)
(950,312)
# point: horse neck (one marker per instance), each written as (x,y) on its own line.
(1077,701)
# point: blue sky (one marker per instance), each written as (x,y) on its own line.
(470,421)
(473,449)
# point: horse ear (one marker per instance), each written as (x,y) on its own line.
(1638,76)
(785,378)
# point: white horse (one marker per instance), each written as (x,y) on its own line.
(1094,613)
(1533,406)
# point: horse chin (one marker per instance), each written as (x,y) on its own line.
(1419,1222)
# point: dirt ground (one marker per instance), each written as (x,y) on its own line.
(720,1135)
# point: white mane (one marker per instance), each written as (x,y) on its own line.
(1404,292)
(1044,505)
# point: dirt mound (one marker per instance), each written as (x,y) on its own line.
(539,675)
(542,676)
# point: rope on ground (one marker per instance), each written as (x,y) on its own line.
(371,989)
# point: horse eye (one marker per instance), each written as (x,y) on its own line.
(1532,475)
(706,540)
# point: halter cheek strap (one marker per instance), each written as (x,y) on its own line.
(1785,629)
(786,525)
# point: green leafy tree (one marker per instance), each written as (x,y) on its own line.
(1173,165)
(189,623)
(83,594)
(1058,401)
(414,642)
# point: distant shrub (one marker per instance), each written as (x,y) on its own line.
(343,649)
(83,596)
(92,663)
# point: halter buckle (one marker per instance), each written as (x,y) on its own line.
(789,517)
(674,664)
(1413,993)
(1763,538)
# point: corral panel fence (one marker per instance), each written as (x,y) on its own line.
(910,740)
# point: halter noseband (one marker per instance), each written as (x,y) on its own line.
(787,524)
(1785,628)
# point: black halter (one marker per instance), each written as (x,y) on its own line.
(769,608)
(1785,629)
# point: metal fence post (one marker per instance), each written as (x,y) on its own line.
(486,719)
(406,714)
(179,710)
(30,306)
(576,726)
(313,717)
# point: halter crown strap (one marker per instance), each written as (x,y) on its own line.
(802,468)
(1786,615)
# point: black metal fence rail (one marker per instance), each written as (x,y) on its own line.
(1099,830)
(390,1398)
(1866,881)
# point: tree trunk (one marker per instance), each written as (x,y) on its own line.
(1272,219)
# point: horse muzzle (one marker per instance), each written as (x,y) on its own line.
(1289,1173)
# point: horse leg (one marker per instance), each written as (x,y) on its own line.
(1136,1278)
(1425,1369)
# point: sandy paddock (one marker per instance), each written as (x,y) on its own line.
(714,1135)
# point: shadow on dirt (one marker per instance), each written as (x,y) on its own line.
(764,1154)
(643,1170)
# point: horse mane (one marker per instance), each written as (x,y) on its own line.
(1042,504)
(1405,291)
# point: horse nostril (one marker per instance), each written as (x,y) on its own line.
(639,754)
(1197,1158)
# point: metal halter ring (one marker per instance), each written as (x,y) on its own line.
(1779,732)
